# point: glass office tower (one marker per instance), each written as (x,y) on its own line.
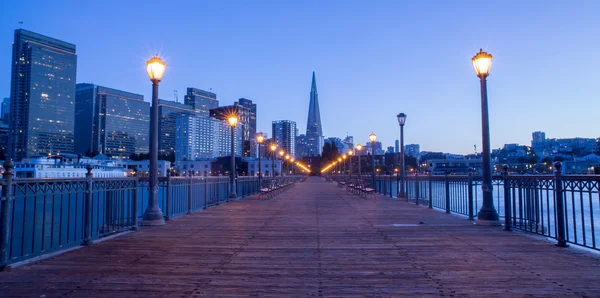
(42,95)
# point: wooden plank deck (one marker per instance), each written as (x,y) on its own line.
(314,240)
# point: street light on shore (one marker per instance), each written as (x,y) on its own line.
(233,120)
(153,216)
(350,152)
(372,138)
(259,139)
(487,215)
(273,149)
(358,148)
(401,121)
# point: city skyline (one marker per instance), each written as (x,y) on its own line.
(359,62)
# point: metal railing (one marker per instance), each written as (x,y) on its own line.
(563,207)
(40,216)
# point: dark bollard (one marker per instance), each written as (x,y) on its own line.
(4,216)
(507,207)
(560,208)
(87,216)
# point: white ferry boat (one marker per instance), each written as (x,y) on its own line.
(67,166)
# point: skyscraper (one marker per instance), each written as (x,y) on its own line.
(284,133)
(168,111)
(42,95)
(314,132)
(110,121)
(301,146)
(248,128)
(194,137)
(5,110)
(201,101)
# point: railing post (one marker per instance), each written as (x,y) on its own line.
(168,202)
(205,191)
(134,208)
(4,216)
(470,194)
(447,182)
(189,195)
(507,207)
(87,216)
(416,189)
(390,180)
(560,208)
(430,192)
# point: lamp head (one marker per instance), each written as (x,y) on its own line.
(281,153)
(344,156)
(339,159)
(155,68)
(350,152)
(273,147)
(372,137)
(287,156)
(401,119)
(232,121)
(482,63)
(260,138)
(358,147)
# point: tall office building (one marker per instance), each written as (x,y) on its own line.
(5,110)
(397,143)
(249,128)
(42,95)
(201,101)
(314,132)
(284,133)
(301,146)
(110,121)
(194,137)
(413,150)
(222,139)
(168,112)
(538,142)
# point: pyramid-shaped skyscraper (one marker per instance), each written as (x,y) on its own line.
(314,131)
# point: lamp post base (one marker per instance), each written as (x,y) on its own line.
(486,218)
(153,218)
(232,195)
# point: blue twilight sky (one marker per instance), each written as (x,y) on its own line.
(373,59)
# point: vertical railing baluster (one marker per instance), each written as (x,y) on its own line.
(447,183)
(507,208)
(134,208)
(430,192)
(205,190)
(416,184)
(4,216)
(189,195)
(560,208)
(87,215)
(169,195)
(470,194)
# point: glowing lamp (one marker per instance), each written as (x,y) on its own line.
(156,68)
(372,137)
(482,63)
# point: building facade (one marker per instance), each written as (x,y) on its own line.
(168,112)
(248,128)
(194,137)
(5,110)
(43,77)
(112,122)
(201,101)
(412,150)
(284,134)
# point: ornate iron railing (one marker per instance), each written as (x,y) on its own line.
(39,216)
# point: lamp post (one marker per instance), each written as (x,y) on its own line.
(344,158)
(358,148)
(259,139)
(287,161)
(401,121)
(232,122)
(153,216)
(373,137)
(350,152)
(281,158)
(339,165)
(273,148)
(487,214)
(293,167)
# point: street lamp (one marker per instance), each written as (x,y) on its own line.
(273,148)
(350,152)
(153,216)
(401,121)
(281,158)
(232,122)
(287,161)
(359,147)
(373,137)
(344,157)
(487,214)
(293,167)
(339,165)
(259,139)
